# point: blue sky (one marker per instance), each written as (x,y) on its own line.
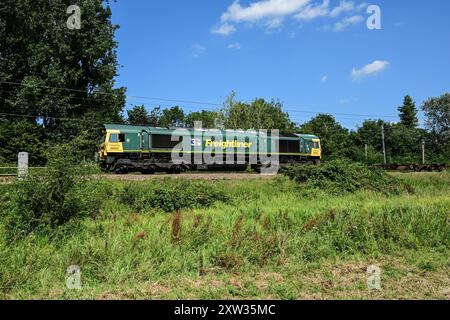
(312,55)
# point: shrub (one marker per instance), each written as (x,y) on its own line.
(52,202)
(341,176)
(170,196)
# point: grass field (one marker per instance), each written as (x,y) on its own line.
(258,239)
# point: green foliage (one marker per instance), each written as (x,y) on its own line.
(253,247)
(208,119)
(408,113)
(85,144)
(170,196)
(369,133)
(40,55)
(340,176)
(173,117)
(259,114)
(21,136)
(53,202)
(333,136)
(404,143)
(437,111)
(138,115)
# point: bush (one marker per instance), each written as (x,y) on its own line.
(171,195)
(52,202)
(339,176)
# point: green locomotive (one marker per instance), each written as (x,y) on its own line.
(128,148)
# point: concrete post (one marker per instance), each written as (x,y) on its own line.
(384,145)
(22,165)
(423,151)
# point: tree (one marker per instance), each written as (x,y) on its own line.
(335,138)
(259,114)
(59,78)
(408,113)
(404,143)
(21,135)
(173,117)
(207,118)
(155,117)
(138,115)
(369,133)
(437,112)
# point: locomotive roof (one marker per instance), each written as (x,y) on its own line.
(160,130)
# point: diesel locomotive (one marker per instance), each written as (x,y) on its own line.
(129,148)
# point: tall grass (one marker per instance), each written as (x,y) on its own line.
(268,225)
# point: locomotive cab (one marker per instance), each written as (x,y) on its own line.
(310,146)
(112,142)
(316,150)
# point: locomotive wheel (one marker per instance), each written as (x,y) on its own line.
(256,168)
(120,170)
(148,171)
(175,170)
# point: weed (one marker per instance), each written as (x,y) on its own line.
(52,203)
(170,196)
(176,227)
(341,176)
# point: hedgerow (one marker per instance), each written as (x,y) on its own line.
(169,196)
(342,176)
(51,203)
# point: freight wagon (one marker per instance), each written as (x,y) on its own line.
(128,148)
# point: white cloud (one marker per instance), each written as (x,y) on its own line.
(344,23)
(271,14)
(274,23)
(235,46)
(197,50)
(324,78)
(263,9)
(225,29)
(344,6)
(347,6)
(311,12)
(369,70)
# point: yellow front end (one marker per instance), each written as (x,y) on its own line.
(111,144)
(316,150)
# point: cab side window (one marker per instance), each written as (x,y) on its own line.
(114,137)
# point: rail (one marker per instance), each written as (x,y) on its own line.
(414,167)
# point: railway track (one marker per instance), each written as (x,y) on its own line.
(188,176)
(8,177)
(416,167)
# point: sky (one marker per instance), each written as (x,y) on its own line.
(312,55)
